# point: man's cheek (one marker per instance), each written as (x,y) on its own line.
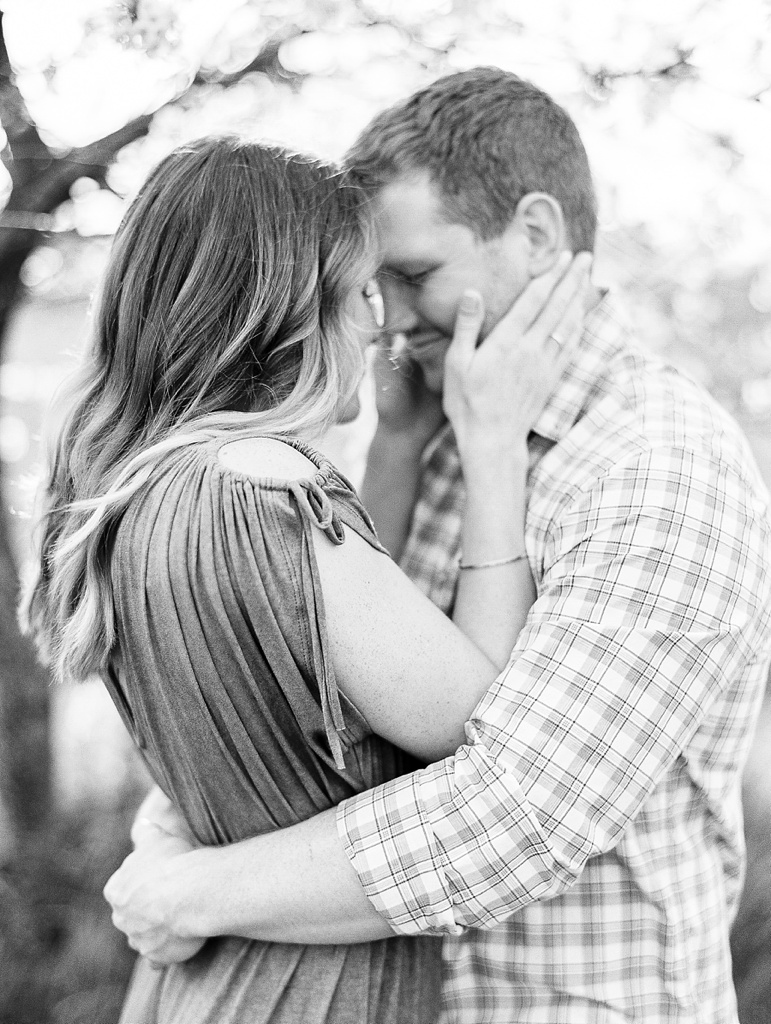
(432,368)
(439,314)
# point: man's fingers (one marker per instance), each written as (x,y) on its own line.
(389,347)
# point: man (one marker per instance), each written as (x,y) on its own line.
(582,852)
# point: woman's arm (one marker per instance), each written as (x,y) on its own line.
(409,670)
(494,392)
(414,675)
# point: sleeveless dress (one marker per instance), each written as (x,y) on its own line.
(223,677)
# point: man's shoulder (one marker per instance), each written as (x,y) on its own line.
(636,398)
(620,392)
(641,411)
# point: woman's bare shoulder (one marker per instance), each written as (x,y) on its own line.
(262,457)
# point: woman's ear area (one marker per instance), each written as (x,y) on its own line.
(539,216)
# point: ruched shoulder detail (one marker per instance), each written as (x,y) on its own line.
(327,498)
(287,509)
(217,569)
(314,504)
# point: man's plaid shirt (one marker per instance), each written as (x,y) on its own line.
(583,850)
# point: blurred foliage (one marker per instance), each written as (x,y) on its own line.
(61,960)
(673,100)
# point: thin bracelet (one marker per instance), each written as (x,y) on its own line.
(492,564)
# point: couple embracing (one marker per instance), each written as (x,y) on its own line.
(465,749)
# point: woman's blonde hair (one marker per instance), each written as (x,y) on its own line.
(224,308)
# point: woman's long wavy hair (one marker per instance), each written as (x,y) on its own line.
(225,308)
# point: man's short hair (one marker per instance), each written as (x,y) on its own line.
(487,138)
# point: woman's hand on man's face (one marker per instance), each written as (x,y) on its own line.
(495,391)
(143,895)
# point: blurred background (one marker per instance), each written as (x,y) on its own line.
(673,100)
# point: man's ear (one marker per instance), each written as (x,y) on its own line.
(540,217)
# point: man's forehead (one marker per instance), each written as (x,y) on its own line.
(410,222)
(408,254)
(408,205)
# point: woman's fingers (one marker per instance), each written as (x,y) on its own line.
(468,324)
(460,355)
(530,303)
(538,311)
(562,338)
(559,310)
(551,306)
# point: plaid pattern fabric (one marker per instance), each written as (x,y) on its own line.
(582,852)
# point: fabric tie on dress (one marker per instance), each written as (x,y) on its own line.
(314,503)
(317,511)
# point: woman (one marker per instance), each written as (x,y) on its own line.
(193,540)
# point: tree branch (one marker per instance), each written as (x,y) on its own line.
(27,149)
(42,179)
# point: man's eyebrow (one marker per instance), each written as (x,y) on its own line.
(411,265)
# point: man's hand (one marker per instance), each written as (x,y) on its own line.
(409,415)
(141,894)
(405,406)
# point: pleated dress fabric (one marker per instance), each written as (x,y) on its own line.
(223,677)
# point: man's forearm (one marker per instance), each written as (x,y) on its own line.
(390,488)
(293,885)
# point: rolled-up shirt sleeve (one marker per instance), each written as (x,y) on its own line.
(654,611)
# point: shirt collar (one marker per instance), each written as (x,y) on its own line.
(603,338)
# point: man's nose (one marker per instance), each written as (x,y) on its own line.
(398,301)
